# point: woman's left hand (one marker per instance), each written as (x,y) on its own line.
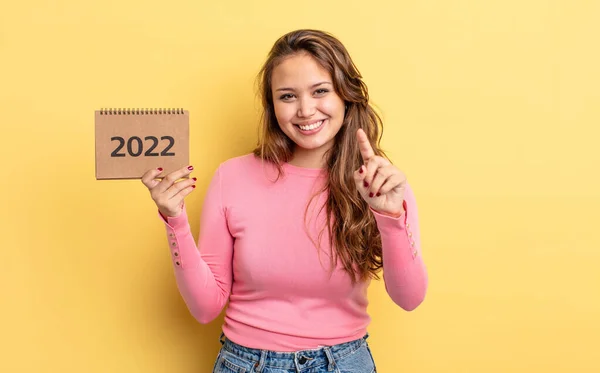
(378,181)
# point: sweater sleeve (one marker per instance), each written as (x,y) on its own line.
(203,271)
(404,271)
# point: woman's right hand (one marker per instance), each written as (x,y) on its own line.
(168,193)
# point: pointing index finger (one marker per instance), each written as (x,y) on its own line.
(364,145)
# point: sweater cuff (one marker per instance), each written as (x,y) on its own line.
(397,232)
(176,224)
(179,237)
(386,222)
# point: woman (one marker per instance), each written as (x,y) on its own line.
(292,234)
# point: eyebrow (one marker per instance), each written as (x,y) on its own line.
(312,86)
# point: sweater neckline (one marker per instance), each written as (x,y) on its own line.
(304,171)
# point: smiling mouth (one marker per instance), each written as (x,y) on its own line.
(312,126)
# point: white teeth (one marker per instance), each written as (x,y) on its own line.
(312,126)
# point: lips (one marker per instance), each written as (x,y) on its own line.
(311,126)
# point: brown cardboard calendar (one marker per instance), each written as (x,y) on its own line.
(129,142)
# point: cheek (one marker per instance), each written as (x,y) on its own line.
(284,113)
(333,106)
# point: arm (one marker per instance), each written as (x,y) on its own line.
(404,271)
(204,271)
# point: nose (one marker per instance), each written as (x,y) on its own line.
(306,108)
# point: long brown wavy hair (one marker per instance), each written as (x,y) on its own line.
(353,232)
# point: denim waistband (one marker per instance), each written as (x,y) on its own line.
(299,360)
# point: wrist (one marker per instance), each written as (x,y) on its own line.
(394,215)
(166,216)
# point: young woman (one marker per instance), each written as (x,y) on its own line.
(292,233)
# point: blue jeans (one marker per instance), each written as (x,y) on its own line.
(349,357)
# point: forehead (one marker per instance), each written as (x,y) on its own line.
(299,71)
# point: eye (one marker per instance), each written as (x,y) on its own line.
(286,96)
(321,91)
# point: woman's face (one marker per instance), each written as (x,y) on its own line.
(308,109)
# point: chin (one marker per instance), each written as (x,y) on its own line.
(314,145)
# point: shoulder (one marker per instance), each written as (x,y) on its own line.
(242,176)
(242,166)
(239,163)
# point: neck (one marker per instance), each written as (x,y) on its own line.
(313,158)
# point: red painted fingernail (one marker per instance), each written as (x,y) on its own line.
(366,184)
(194,179)
(361,170)
(190,168)
(160,168)
(378,194)
(371,195)
(193,186)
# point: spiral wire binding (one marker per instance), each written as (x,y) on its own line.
(138,111)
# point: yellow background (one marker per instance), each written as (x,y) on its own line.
(491,108)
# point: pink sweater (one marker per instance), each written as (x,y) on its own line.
(253,251)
